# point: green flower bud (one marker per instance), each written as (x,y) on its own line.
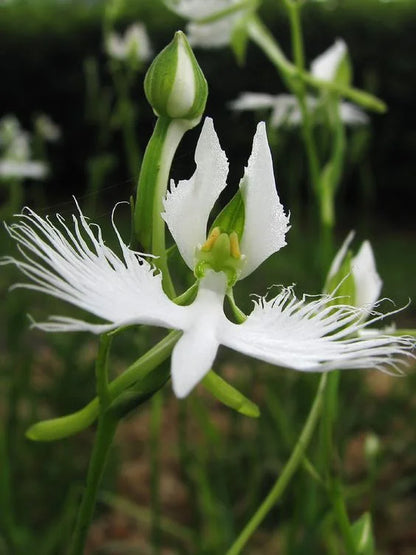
(175,85)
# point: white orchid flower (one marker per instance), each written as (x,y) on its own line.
(15,152)
(212,34)
(285,107)
(73,263)
(47,128)
(326,65)
(367,282)
(135,42)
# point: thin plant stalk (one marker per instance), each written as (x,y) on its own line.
(155,429)
(287,473)
(300,91)
(107,424)
(151,189)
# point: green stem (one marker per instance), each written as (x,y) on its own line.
(105,432)
(341,515)
(334,485)
(107,424)
(126,112)
(289,469)
(300,92)
(260,35)
(155,423)
(151,189)
(101,372)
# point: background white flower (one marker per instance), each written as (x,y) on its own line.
(215,34)
(367,281)
(135,42)
(285,107)
(16,152)
(47,128)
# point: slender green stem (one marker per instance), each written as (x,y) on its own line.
(334,485)
(105,432)
(107,423)
(155,423)
(300,91)
(127,115)
(341,515)
(153,182)
(289,469)
(101,373)
(259,34)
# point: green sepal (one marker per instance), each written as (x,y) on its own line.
(72,424)
(343,282)
(239,41)
(140,392)
(362,534)
(64,426)
(229,396)
(343,74)
(232,216)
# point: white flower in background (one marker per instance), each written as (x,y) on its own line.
(285,107)
(134,44)
(47,128)
(212,34)
(367,282)
(326,65)
(72,262)
(15,152)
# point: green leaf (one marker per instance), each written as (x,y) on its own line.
(229,396)
(232,216)
(363,537)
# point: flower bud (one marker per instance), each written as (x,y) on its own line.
(175,85)
(357,275)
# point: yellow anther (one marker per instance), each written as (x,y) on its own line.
(213,236)
(234,245)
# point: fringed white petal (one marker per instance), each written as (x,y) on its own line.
(326,64)
(368,283)
(75,265)
(189,203)
(265,223)
(195,351)
(314,336)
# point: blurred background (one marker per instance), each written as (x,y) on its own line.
(77,117)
